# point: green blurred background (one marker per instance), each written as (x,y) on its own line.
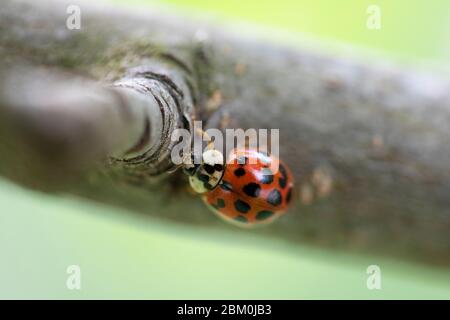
(410,30)
(122,255)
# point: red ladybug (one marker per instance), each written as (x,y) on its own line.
(246,191)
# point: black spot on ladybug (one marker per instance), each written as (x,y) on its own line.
(282,182)
(242,160)
(267,176)
(263,215)
(241,206)
(274,197)
(220,203)
(241,219)
(239,172)
(203,177)
(283,171)
(226,186)
(289,195)
(218,167)
(208,168)
(252,189)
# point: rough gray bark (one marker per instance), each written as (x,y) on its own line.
(61,125)
(368,144)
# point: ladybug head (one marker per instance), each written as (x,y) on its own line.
(206,176)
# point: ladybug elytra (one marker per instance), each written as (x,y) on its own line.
(245,191)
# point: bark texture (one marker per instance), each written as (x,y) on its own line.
(368,143)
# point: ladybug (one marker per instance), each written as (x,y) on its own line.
(245,191)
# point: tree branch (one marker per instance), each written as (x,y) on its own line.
(368,143)
(63,125)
